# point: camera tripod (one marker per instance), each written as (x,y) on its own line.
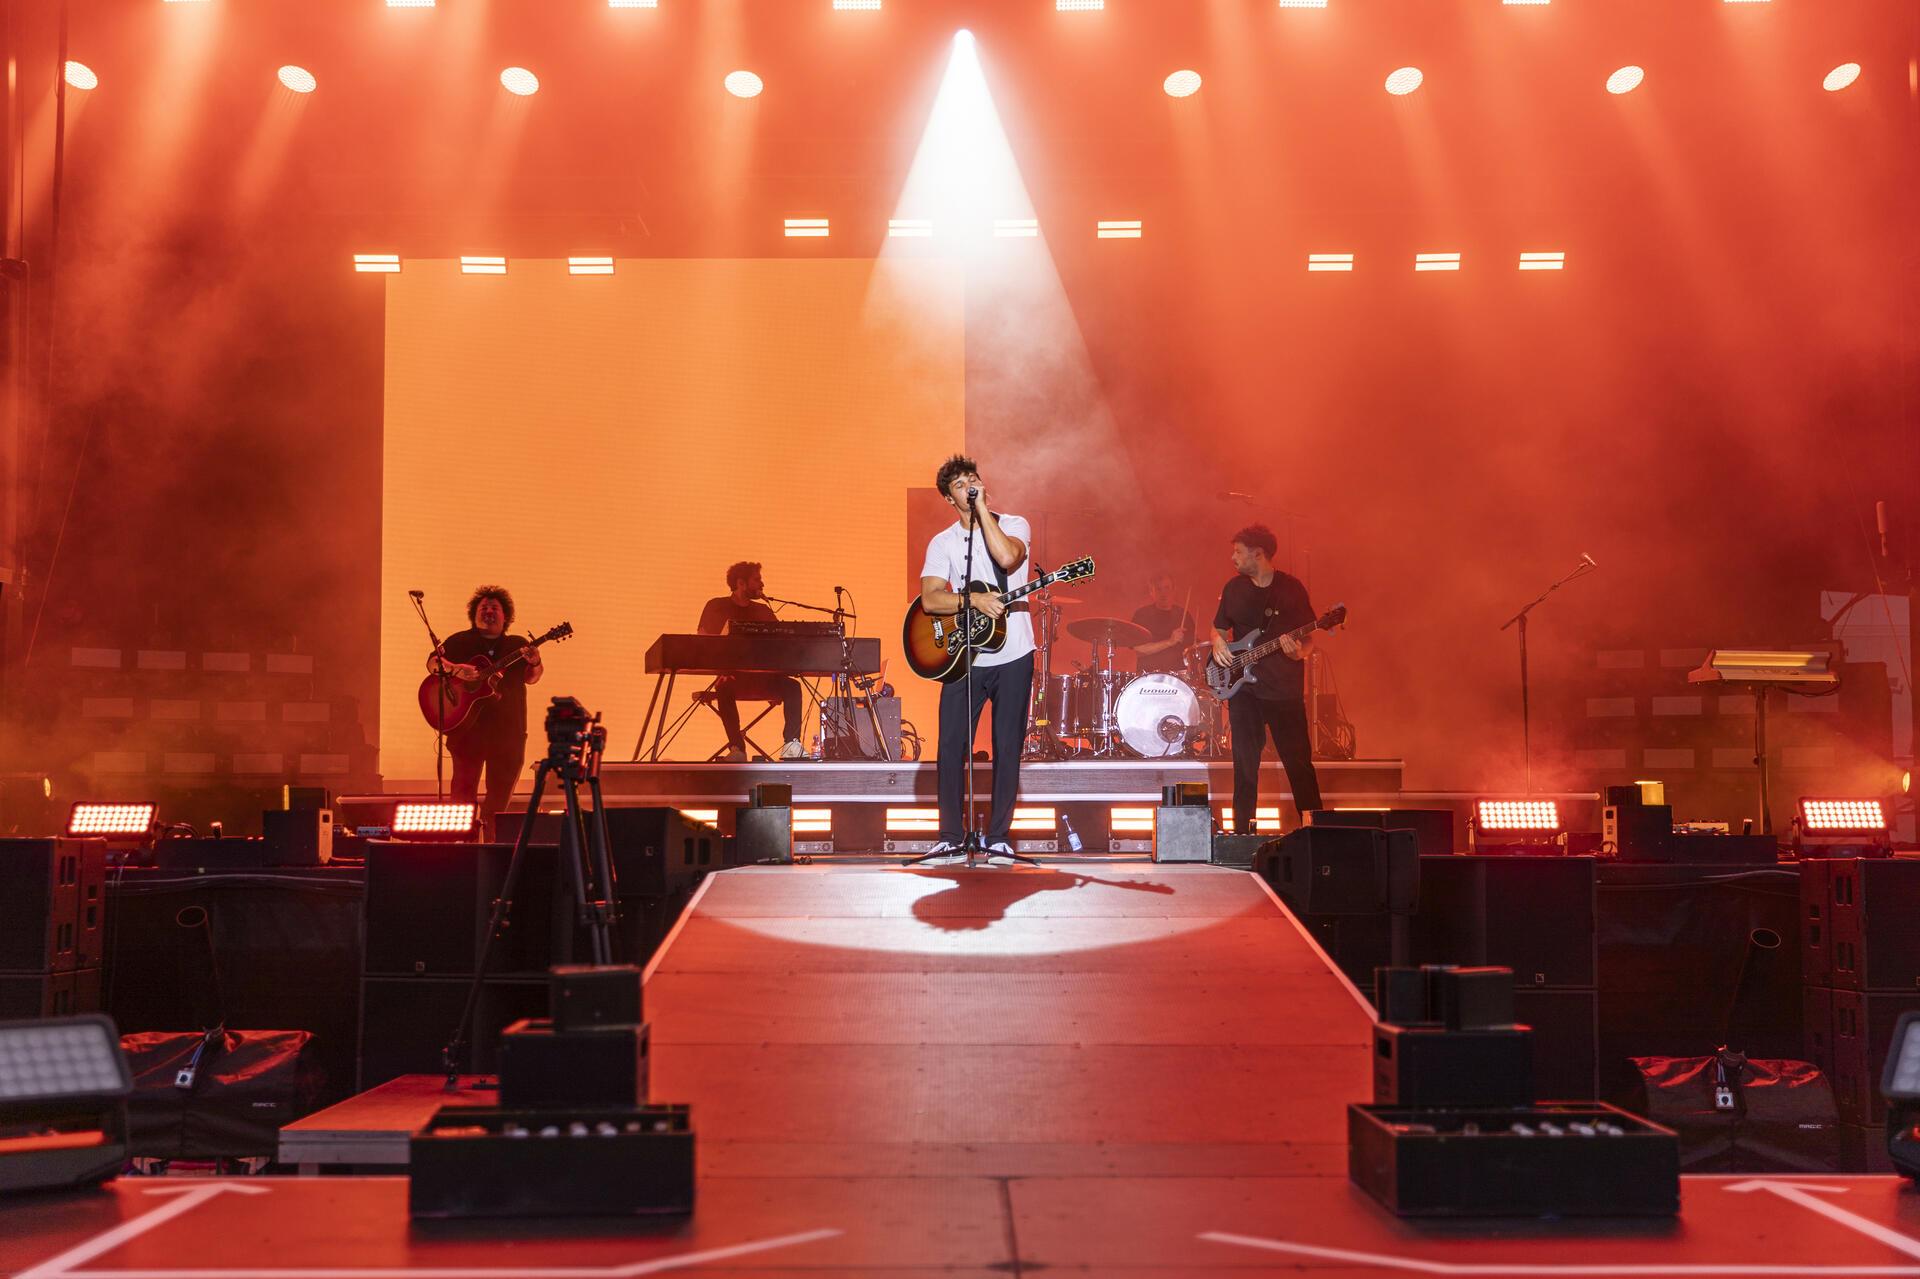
(575,744)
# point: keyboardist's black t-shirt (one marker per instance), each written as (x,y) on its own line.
(721,613)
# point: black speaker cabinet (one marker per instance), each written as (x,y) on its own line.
(654,850)
(428,906)
(1566,1037)
(1863,1024)
(52,905)
(1873,906)
(1343,870)
(406,1021)
(27,996)
(1534,915)
(1432,827)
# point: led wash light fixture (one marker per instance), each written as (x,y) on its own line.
(435,821)
(1516,826)
(111,819)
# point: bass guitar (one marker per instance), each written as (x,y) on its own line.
(447,700)
(1227,680)
(940,648)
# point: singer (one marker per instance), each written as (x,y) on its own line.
(747,602)
(1004,678)
(494,737)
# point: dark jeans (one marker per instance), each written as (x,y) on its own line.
(502,763)
(1252,719)
(728,691)
(1008,688)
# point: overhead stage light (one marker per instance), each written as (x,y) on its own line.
(806,228)
(1303,4)
(1404,81)
(1079,6)
(868,5)
(1329,261)
(633,4)
(519,80)
(1124,230)
(909,228)
(1436,261)
(299,79)
(589,266)
(1016,228)
(744,84)
(1182,84)
(377,263)
(409,4)
(1543,261)
(483,266)
(1626,79)
(1841,76)
(81,76)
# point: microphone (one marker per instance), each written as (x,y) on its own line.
(1587,560)
(419,595)
(973,496)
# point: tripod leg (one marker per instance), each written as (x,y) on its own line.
(599,851)
(450,1055)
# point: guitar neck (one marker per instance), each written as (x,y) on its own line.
(1039,584)
(1274,645)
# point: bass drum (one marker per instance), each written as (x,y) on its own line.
(1156,714)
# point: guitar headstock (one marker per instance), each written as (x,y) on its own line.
(1082,567)
(559,632)
(1335,616)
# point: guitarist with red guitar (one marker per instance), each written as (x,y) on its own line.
(1267,695)
(493,736)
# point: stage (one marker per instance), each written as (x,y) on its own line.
(1118,1070)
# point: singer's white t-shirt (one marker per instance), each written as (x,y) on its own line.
(947,558)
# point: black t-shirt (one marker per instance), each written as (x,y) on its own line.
(497,721)
(1282,606)
(1161,624)
(721,613)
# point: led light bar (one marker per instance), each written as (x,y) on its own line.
(633,4)
(1852,815)
(1079,6)
(1303,4)
(813,821)
(111,819)
(1329,261)
(1016,228)
(1266,821)
(1122,230)
(589,266)
(909,228)
(1436,261)
(1526,814)
(73,1057)
(705,816)
(1044,820)
(1543,261)
(904,820)
(1130,821)
(409,4)
(806,228)
(866,5)
(418,818)
(483,266)
(381,263)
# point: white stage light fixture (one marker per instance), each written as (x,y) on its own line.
(633,4)
(1079,6)
(409,4)
(1543,261)
(1123,230)
(1841,76)
(519,80)
(1436,261)
(589,266)
(81,76)
(867,5)
(377,263)
(1626,79)
(1182,84)
(1404,81)
(483,266)
(299,79)
(1329,261)
(1303,4)
(744,84)
(806,228)
(1016,228)
(909,228)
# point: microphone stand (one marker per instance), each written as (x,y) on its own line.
(439,734)
(843,680)
(1584,567)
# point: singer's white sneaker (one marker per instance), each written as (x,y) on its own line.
(793,750)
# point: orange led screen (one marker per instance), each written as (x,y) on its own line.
(604,446)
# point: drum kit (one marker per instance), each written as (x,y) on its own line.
(1103,712)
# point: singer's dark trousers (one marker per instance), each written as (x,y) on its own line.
(502,762)
(727,692)
(1253,719)
(1008,688)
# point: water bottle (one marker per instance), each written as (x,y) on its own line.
(1074,843)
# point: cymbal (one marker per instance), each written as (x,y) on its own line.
(1100,630)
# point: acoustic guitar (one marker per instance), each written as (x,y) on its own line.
(447,700)
(940,647)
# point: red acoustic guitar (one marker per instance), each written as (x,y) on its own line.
(448,700)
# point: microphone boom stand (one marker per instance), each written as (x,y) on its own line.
(1581,569)
(439,733)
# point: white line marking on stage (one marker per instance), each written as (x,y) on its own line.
(1801,1193)
(1798,1192)
(191,1197)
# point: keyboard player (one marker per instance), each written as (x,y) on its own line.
(745,602)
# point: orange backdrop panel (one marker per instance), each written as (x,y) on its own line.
(605,446)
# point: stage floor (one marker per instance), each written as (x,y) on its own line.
(1129,1070)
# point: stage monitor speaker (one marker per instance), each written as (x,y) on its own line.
(1182,834)
(838,714)
(655,851)
(1343,870)
(1874,904)
(1432,827)
(1863,1025)
(763,834)
(428,906)
(1535,915)
(405,1022)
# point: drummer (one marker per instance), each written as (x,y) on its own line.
(1170,625)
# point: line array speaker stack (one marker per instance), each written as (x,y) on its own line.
(52,922)
(1860,964)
